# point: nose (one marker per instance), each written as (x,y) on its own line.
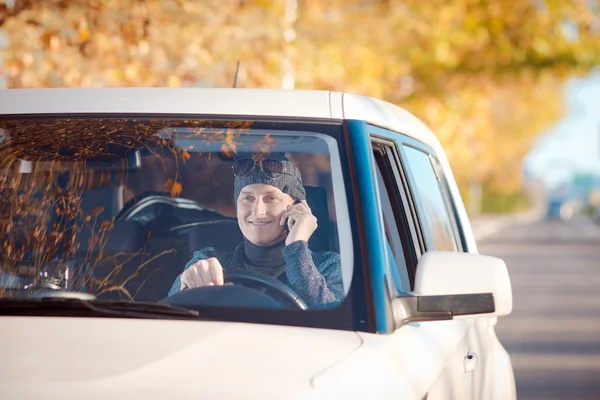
(259,208)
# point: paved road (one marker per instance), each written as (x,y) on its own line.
(553,334)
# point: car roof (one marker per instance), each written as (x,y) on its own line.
(318,104)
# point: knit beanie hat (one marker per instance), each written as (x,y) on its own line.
(290,181)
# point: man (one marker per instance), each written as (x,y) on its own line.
(276,223)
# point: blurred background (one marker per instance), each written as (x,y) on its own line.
(511,88)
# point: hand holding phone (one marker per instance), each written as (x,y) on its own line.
(299,222)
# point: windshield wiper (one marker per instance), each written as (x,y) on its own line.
(57,306)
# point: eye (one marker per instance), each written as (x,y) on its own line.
(271,198)
(248,198)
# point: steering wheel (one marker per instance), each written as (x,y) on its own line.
(246,286)
(256,280)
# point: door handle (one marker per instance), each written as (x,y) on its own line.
(470,362)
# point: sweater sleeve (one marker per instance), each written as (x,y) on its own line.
(316,277)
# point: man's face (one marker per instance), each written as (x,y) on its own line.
(259,209)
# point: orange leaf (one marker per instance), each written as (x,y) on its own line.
(97,211)
(185,155)
(175,188)
(228,151)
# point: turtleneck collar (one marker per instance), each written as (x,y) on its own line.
(264,256)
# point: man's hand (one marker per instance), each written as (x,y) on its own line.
(301,222)
(203,273)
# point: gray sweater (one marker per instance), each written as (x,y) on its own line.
(316,277)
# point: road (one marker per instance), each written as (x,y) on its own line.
(553,334)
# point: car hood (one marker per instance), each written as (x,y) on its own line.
(55,357)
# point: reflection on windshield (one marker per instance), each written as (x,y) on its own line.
(147,210)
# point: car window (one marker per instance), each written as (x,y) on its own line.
(429,195)
(118,207)
(396,233)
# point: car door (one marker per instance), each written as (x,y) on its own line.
(432,352)
(488,365)
(442,231)
(487,362)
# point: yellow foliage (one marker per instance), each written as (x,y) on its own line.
(486,76)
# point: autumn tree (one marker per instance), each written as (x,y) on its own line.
(486,75)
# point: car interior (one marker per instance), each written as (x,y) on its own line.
(144,255)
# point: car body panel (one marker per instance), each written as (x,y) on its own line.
(493,378)
(181,101)
(415,360)
(111,358)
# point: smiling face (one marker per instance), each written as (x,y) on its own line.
(259,209)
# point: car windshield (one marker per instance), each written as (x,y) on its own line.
(117,208)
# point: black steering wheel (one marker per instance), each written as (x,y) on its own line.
(247,286)
(257,280)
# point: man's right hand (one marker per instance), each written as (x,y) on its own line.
(203,273)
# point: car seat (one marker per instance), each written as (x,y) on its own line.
(135,257)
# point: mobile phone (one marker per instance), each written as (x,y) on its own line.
(287,222)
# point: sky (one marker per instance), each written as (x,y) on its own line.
(572,145)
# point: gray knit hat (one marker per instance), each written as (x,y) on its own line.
(289,182)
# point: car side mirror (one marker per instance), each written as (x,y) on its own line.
(451,285)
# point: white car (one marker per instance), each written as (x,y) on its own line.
(108,193)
